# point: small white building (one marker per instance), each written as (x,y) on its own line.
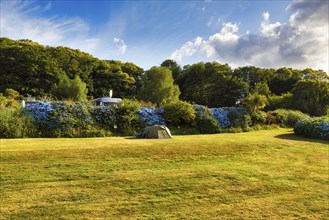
(29,101)
(106,101)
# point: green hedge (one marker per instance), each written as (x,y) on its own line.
(287,118)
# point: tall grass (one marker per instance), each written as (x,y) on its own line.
(15,124)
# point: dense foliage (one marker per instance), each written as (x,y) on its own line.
(15,124)
(151,116)
(223,98)
(313,128)
(70,119)
(288,118)
(158,86)
(205,121)
(179,113)
(32,70)
(42,71)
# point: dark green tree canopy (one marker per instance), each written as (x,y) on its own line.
(32,69)
(311,96)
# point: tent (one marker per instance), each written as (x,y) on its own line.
(156,132)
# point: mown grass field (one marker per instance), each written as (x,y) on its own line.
(255,175)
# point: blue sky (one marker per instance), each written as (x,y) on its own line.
(260,33)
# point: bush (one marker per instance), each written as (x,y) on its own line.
(206,123)
(104,117)
(127,118)
(222,117)
(283,101)
(238,117)
(288,118)
(179,113)
(313,128)
(258,117)
(61,119)
(15,124)
(39,113)
(151,116)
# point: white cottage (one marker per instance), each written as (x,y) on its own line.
(106,101)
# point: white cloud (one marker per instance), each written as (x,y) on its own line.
(188,49)
(267,29)
(212,21)
(301,42)
(120,45)
(18,21)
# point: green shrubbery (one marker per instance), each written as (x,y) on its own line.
(288,118)
(71,119)
(258,117)
(127,118)
(313,128)
(15,124)
(179,113)
(205,121)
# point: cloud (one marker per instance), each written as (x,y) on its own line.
(301,42)
(120,45)
(18,21)
(213,21)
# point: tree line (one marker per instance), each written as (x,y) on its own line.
(64,73)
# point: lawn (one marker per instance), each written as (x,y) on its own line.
(255,175)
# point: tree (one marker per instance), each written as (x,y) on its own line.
(174,67)
(255,102)
(311,96)
(108,75)
(309,73)
(73,89)
(284,80)
(211,84)
(158,86)
(9,99)
(252,75)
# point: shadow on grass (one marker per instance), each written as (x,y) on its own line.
(294,137)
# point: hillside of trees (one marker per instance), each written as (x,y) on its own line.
(59,73)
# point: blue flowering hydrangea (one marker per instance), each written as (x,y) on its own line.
(323,126)
(151,116)
(104,116)
(39,112)
(59,117)
(222,117)
(313,128)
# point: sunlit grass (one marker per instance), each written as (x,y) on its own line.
(255,175)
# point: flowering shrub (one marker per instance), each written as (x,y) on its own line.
(104,116)
(206,123)
(222,117)
(238,117)
(151,116)
(313,128)
(39,113)
(60,119)
(232,117)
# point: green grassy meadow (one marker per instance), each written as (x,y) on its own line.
(255,175)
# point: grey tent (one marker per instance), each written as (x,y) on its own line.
(156,132)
